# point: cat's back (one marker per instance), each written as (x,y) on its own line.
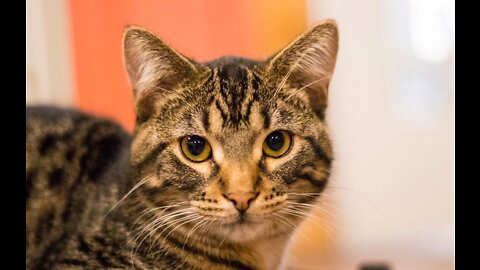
(75,165)
(62,144)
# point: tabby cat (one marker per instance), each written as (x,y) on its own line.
(226,159)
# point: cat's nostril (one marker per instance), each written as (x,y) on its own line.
(234,202)
(241,200)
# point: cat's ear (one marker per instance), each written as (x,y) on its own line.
(154,68)
(307,64)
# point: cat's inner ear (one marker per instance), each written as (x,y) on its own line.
(154,69)
(307,64)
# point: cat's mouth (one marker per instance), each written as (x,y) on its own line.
(242,220)
(242,228)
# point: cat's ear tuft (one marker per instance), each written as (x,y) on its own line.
(308,63)
(154,68)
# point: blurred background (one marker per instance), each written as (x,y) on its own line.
(391,105)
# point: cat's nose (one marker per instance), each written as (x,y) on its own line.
(241,200)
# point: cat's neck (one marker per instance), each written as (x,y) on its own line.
(271,250)
(264,253)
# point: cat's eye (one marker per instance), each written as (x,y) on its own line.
(277,143)
(196,148)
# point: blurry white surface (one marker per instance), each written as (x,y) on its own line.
(391,119)
(431,28)
(49,75)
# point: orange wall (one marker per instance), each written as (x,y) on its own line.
(200,29)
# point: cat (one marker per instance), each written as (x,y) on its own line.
(226,159)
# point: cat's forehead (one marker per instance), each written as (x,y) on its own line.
(233,96)
(233,86)
(232,66)
(235,74)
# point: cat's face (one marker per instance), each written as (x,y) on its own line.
(237,147)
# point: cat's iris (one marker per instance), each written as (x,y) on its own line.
(277,143)
(196,148)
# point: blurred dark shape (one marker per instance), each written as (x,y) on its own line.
(374,266)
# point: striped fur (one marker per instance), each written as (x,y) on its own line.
(100,199)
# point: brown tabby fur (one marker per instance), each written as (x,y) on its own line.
(99,199)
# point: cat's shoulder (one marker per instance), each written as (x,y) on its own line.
(51,131)
(51,119)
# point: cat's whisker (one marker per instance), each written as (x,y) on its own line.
(310,207)
(304,206)
(193,219)
(323,210)
(223,237)
(206,227)
(166,204)
(330,216)
(317,196)
(156,87)
(304,209)
(311,216)
(289,225)
(289,212)
(289,230)
(198,225)
(164,221)
(200,234)
(307,85)
(180,220)
(305,194)
(157,216)
(143,181)
(370,202)
(310,196)
(160,219)
(324,223)
(322,200)
(157,223)
(163,208)
(285,221)
(287,75)
(301,204)
(301,214)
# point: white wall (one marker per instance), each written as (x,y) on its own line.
(49,75)
(391,115)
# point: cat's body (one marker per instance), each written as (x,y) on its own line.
(75,173)
(226,159)
(77,169)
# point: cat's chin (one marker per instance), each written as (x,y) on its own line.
(243,230)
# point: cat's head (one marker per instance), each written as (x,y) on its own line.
(238,145)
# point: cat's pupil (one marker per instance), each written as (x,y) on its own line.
(195,145)
(275,140)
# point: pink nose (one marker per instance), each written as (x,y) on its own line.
(241,200)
